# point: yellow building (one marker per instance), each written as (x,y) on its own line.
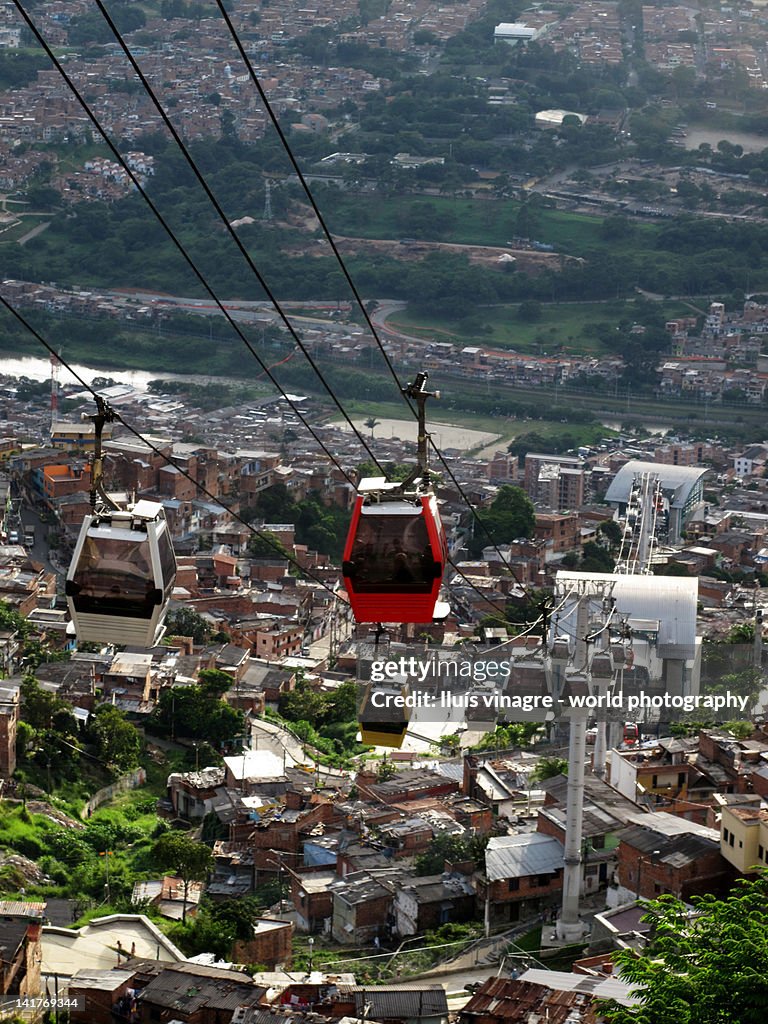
(744,838)
(8,447)
(77,436)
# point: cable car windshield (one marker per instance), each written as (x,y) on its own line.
(167,559)
(392,549)
(115,576)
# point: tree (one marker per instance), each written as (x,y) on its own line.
(44,710)
(511,515)
(189,860)
(549,768)
(449,848)
(197,713)
(266,545)
(214,683)
(706,966)
(595,558)
(371,423)
(529,311)
(117,742)
(612,532)
(741,730)
(187,622)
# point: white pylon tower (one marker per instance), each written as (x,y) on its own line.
(570,927)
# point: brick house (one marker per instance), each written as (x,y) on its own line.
(422,904)
(20,935)
(98,996)
(683,862)
(312,898)
(411,785)
(270,945)
(407,837)
(422,1004)
(363,907)
(277,840)
(192,793)
(560,532)
(9,720)
(523,875)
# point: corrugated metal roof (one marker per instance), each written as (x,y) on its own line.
(669,599)
(518,856)
(20,908)
(189,987)
(399,1003)
(680,479)
(508,1001)
(601,988)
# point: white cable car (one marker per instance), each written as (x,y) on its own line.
(123,568)
(122,576)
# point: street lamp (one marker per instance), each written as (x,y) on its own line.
(311,944)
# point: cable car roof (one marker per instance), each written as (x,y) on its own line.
(392,508)
(370,484)
(144,509)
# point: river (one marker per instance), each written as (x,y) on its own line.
(40,369)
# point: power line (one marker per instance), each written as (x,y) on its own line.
(213,295)
(174,239)
(225,221)
(255,79)
(157,451)
(209,193)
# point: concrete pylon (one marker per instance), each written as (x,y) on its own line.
(569,926)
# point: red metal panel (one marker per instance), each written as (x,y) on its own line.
(399,605)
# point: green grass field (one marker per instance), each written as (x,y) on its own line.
(477,222)
(564,327)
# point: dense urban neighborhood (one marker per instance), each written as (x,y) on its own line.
(243,241)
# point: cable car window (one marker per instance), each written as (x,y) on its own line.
(115,576)
(167,560)
(392,550)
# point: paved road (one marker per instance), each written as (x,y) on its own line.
(270,736)
(452,983)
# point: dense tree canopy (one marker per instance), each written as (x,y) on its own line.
(116,741)
(510,516)
(197,712)
(186,621)
(449,848)
(705,966)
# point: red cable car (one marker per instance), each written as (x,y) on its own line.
(631,733)
(396,551)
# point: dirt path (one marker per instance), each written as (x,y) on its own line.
(38,229)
